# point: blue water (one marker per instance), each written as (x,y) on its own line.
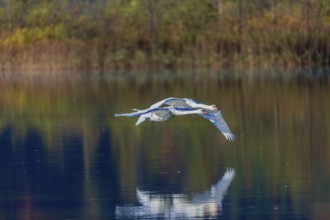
(64,156)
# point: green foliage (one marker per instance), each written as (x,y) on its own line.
(41,15)
(24,36)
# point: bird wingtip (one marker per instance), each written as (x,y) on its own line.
(229,136)
(230,173)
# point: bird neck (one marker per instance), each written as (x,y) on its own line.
(199,105)
(178,112)
(194,104)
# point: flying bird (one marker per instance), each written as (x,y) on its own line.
(161,114)
(182,106)
(178,103)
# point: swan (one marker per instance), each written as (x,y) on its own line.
(161,114)
(177,103)
(182,106)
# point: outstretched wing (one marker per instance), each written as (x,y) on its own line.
(169,101)
(217,191)
(132,114)
(142,118)
(138,112)
(216,118)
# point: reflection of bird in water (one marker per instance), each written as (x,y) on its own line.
(217,191)
(181,105)
(207,204)
(162,114)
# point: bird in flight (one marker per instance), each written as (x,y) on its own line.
(161,114)
(181,106)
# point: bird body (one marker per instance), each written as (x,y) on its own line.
(156,116)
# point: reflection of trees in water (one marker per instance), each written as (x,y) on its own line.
(152,205)
(281,125)
(34,185)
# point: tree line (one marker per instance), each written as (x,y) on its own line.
(105,34)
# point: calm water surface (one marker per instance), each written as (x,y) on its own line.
(64,156)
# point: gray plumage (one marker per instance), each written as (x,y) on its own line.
(216,118)
(181,106)
(183,103)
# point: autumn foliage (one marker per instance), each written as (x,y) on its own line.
(112,34)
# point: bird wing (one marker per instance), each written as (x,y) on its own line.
(217,191)
(168,101)
(142,118)
(139,112)
(216,118)
(176,102)
(163,113)
(220,189)
(132,114)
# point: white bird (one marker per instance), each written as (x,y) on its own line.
(182,106)
(161,114)
(177,103)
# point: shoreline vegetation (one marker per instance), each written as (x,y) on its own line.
(102,35)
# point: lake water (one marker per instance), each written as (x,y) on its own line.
(64,156)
